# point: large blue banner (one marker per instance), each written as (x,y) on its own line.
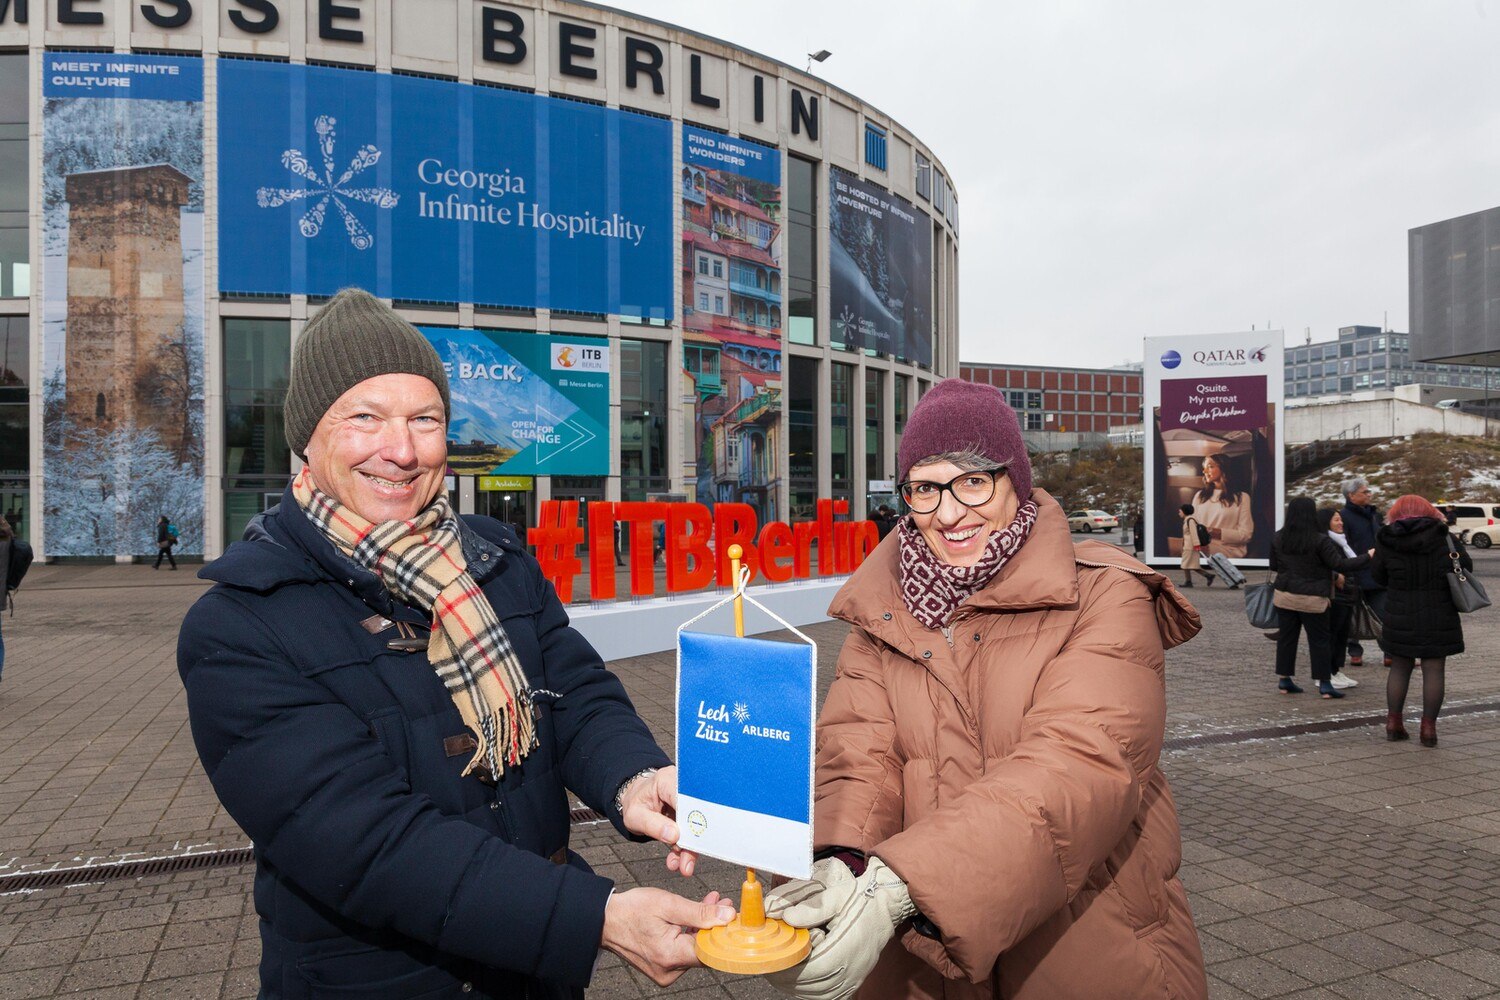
(436,191)
(525,403)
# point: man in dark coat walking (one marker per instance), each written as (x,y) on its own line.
(390,701)
(1361,522)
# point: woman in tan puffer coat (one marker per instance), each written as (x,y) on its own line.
(990,818)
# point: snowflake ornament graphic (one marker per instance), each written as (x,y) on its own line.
(741,712)
(326,188)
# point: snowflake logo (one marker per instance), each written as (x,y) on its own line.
(741,712)
(846,323)
(328,189)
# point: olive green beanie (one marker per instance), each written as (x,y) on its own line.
(352,338)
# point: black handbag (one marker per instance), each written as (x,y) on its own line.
(1258,606)
(1364,624)
(1468,593)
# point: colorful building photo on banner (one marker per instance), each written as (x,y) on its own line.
(732,315)
(122,303)
(525,404)
(880,270)
(1214,446)
(437,191)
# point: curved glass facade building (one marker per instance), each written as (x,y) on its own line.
(657,265)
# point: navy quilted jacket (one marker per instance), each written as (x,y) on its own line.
(380,871)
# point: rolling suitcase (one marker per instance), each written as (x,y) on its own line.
(1225,570)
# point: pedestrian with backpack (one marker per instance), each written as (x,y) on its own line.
(15,559)
(166,537)
(1195,537)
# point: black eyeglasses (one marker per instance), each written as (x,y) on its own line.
(972,489)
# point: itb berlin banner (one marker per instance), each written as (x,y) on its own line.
(880,263)
(525,403)
(122,301)
(439,191)
(744,750)
(1213,404)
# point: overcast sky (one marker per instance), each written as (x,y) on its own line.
(1131,168)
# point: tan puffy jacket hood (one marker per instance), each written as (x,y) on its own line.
(1008,772)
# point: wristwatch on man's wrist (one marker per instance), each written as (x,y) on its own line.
(620,792)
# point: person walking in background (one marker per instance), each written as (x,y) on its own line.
(166,537)
(1138,533)
(1224,509)
(1191,544)
(1361,522)
(1304,559)
(1345,600)
(1412,562)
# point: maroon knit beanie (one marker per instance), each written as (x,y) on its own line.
(959,416)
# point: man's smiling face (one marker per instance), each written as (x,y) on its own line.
(382,448)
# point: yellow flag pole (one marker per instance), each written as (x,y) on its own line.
(751,944)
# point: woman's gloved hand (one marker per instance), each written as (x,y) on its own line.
(857,917)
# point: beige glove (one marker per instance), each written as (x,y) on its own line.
(861,916)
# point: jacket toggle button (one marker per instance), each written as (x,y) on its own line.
(976,636)
(886,616)
(484,557)
(495,804)
(926,654)
(467,987)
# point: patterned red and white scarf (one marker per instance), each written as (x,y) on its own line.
(932,590)
(421,562)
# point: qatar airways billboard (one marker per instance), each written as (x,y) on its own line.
(430,190)
(1213,404)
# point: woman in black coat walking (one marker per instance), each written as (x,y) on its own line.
(1412,561)
(1305,560)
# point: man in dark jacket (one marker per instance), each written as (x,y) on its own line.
(389,700)
(1361,522)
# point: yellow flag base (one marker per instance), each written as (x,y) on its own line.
(752,944)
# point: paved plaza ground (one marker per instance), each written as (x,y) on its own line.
(1321,861)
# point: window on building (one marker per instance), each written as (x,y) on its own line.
(15,251)
(802,251)
(874,424)
(643,418)
(1033,401)
(802,430)
(719,305)
(924,177)
(903,404)
(702,263)
(1033,421)
(718,269)
(840,401)
(257,458)
(875,145)
(703,301)
(1016,398)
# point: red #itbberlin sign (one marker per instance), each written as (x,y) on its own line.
(697,543)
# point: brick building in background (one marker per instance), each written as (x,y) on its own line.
(1064,408)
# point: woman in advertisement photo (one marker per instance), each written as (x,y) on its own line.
(1224,509)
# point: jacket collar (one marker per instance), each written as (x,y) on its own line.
(1042,575)
(283,547)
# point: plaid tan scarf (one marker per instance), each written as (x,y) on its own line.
(421,562)
(932,590)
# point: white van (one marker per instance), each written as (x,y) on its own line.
(1481,521)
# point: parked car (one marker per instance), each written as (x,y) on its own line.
(1477,523)
(1092,520)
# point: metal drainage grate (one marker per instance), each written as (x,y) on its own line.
(116,870)
(1302,729)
